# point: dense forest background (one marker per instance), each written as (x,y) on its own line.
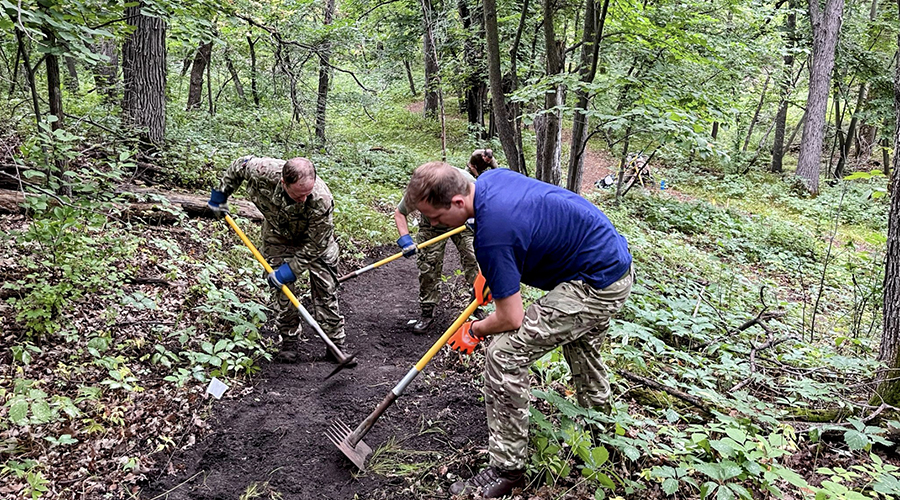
(750,144)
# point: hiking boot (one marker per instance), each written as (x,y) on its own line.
(331,358)
(424,323)
(287,352)
(493,482)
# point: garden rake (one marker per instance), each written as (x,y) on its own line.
(343,360)
(397,255)
(351,443)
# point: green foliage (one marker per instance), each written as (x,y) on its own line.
(75,258)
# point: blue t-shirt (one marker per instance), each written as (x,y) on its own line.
(535,233)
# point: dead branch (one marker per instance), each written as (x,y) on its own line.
(674,392)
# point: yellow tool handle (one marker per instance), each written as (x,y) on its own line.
(287,291)
(400,254)
(447,334)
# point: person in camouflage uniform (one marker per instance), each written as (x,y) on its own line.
(430,260)
(481,161)
(297,236)
(531,232)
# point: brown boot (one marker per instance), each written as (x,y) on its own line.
(493,483)
(287,352)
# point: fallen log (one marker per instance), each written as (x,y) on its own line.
(163,211)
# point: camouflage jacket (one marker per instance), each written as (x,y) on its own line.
(307,226)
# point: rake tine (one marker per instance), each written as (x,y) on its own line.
(353,446)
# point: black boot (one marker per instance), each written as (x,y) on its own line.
(287,352)
(424,322)
(493,482)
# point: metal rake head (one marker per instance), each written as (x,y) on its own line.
(339,434)
(347,362)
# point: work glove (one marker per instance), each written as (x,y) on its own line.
(406,244)
(463,340)
(218,203)
(481,292)
(281,276)
(470,224)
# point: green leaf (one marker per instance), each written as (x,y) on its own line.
(18,411)
(856,440)
(599,455)
(724,494)
(736,434)
(207,347)
(714,471)
(220,345)
(730,469)
(41,412)
(791,477)
(740,491)
(670,486)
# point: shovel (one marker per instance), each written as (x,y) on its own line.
(397,255)
(351,443)
(343,360)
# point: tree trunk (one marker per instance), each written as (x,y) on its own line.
(54,92)
(144,75)
(253,75)
(106,73)
(29,76)
(587,69)
(762,100)
(826,26)
(549,140)
(72,70)
(785,89)
(500,115)
(431,64)
(475,86)
(715,130)
(195,89)
(409,77)
(851,130)
(886,158)
(238,87)
(324,76)
(888,390)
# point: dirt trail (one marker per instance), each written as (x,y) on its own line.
(275,431)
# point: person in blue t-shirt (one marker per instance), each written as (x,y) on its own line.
(527,231)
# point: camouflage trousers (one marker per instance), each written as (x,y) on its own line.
(573,315)
(323,287)
(430,261)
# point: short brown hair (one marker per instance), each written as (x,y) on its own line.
(436,183)
(298,169)
(482,159)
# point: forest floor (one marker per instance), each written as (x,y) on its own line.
(270,436)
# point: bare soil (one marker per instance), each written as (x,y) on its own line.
(273,433)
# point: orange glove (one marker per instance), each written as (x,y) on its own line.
(482,292)
(464,340)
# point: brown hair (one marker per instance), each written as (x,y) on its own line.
(482,159)
(436,183)
(298,169)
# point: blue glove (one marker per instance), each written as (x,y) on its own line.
(218,203)
(406,244)
(281,276)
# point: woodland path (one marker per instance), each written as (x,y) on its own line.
(273,430)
